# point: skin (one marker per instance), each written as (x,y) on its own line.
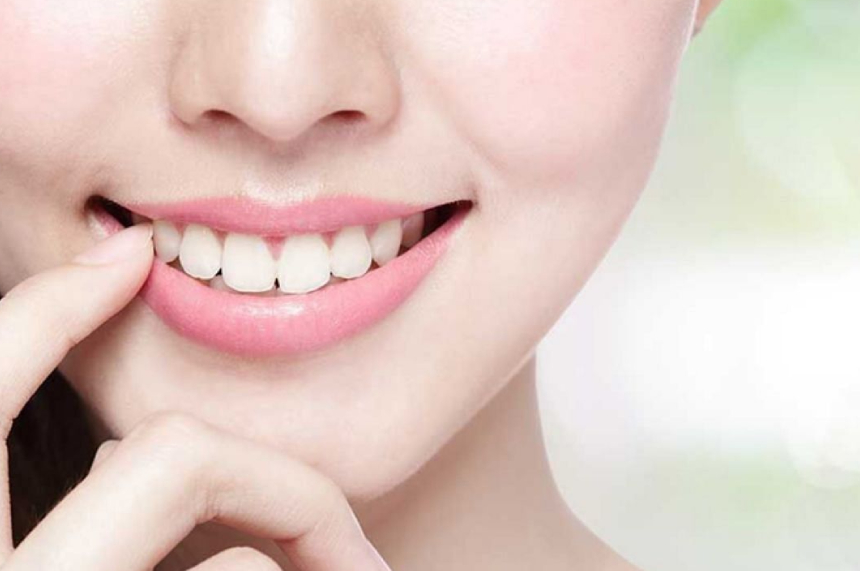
(546,114)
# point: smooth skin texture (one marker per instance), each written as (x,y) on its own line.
(189,471)
(548,114)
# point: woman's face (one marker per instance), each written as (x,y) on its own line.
(545,114)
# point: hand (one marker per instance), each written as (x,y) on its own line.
(145,493)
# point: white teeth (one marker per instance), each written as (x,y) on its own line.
(413,226)
(167,240)
(304,264)
(246,263)
(350,253)
(200,252)
(385,241)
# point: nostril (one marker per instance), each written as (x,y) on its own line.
(346,116)
(224,120)
(218,116)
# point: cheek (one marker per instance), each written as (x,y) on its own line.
(63,67)
(59,61)
(548,87)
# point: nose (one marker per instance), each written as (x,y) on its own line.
(282,67)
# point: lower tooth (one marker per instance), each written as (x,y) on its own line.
(219,284)
(413,226)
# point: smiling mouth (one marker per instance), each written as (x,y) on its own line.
(253,279)
(273,265)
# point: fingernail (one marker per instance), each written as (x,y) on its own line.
(117,247)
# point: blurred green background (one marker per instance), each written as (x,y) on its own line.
(702,394)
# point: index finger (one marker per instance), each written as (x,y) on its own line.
(47,314)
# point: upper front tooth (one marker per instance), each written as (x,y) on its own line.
(200,252)
(412,228)
(246,264)
(304,264)
(167,239)
(350,253)
(385,241)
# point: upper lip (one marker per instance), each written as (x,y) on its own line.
(246,215)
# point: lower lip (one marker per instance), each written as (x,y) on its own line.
(264,326)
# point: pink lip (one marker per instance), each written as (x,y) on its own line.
(234,214)
(262,326)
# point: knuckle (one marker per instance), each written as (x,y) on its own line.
(175,441)
(181,452)
(330,508)
(337,505)
(331,495)
(333,532)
